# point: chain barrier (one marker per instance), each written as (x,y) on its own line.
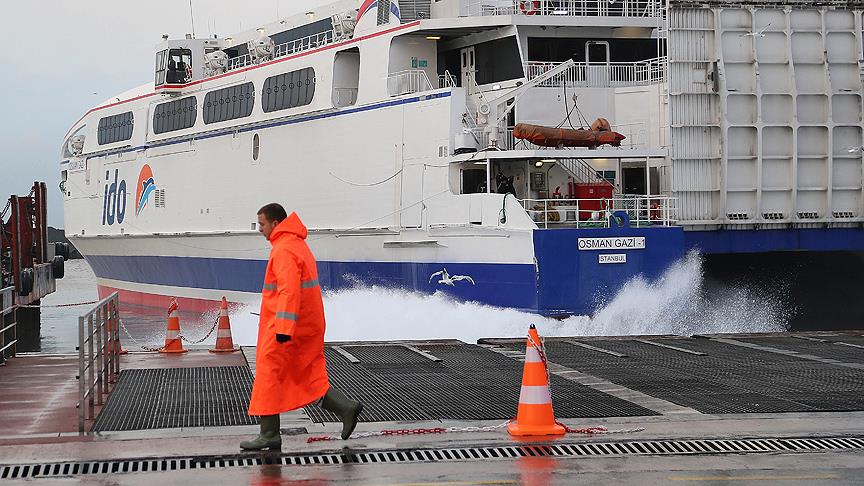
(58,305)
(147,348)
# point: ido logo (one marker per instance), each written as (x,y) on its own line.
(114,199)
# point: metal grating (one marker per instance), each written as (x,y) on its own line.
(726,379)
(468,383)
(583,449)
(178,397)
(827,349)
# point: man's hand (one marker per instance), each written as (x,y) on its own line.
(282,338)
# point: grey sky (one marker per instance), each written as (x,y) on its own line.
(58,53)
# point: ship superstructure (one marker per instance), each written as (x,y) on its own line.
(396,130)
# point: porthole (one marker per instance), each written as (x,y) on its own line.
(256,147)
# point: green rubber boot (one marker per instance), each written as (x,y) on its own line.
(269,438)
(345,408)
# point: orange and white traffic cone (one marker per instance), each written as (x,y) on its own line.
(535,416)
(173,342)
(224,343)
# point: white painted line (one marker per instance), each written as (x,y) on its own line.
(674,348)
(350,357)
(595,348)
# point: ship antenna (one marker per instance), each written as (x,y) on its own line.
(192,16)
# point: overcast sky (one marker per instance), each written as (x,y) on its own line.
(61,57)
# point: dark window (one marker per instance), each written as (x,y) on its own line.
(288,90)
(383,12)
(229,103)
(115,128)
(173,66)
(551,49)
(498,60)
(303,32)
(175,115)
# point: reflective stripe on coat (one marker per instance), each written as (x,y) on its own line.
(293,374)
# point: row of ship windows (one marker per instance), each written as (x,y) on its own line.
(281,92)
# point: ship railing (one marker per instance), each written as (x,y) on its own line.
(566,8)
(304,43)
(287,48)
(8,327)
(407,82)
(447,80)
(98,356)
(601,75)
(642,211)
(344,97)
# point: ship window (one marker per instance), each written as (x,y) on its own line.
(229,103)
(175,115)
(115,128)
(497,60)
(256,147)
(383,12)
(173,66)
(288,90)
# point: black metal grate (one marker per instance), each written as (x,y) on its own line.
(469,383)
(727,379)
(178,397)
(462,454)
(827,349)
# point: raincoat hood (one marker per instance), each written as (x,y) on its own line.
(291,226)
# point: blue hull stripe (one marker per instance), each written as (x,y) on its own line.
(506,285)
(762,241)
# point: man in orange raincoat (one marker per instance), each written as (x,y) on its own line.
(290,370)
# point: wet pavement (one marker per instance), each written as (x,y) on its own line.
(48,439)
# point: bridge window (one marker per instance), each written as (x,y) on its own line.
(115,128)
(288,90)
(175,115)
(229,103)
(173,66)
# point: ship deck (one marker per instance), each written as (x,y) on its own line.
(675,407)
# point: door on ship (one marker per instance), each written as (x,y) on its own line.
(634,180)
(469,65)
(597,61)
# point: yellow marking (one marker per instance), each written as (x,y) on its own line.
(751,478)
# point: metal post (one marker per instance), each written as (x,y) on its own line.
(90,371)
(80,375)
(99,358)
(116,329)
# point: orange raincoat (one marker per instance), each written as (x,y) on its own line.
(293,374)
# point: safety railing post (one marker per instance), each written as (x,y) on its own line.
(99,356)
(81,375)
(115,325)
(91,372)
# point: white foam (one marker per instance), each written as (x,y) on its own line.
(675,303)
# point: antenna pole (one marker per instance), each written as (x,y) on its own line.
(192,16)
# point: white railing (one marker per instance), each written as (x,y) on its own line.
(407,82)
(643,211)
(8,329)
(601,75)
(344,97)
(291,47)
(304,43)
(447,80)
(566,8)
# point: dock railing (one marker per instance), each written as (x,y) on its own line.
(8,329)
(98,356)
(643,211)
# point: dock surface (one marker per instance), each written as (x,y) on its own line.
(675,409)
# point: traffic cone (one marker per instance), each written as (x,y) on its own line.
(173,343)
(535,416)
(224,343)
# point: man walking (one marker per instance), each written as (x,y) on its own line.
(290,371)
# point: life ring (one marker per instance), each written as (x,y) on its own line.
(529,7)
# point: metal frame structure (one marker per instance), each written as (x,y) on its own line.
(98,356)
(8,327)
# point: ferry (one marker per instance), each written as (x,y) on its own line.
(531,154)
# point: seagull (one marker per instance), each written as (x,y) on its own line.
(447,279)
(759,33)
